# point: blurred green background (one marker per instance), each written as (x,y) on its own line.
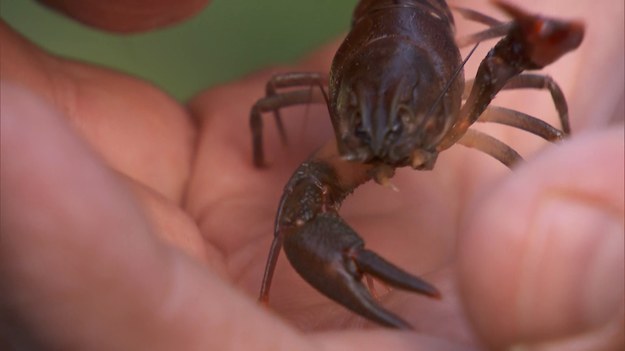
(228,39)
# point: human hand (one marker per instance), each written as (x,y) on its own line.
(85,281)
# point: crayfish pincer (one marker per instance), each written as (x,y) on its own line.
(395,97)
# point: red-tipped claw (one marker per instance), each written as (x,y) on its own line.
(547,39)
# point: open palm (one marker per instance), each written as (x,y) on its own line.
(154,232)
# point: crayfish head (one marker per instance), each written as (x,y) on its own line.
(390,112)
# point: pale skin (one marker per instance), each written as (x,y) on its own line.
(132,222)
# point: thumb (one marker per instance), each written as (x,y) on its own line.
(127,16)
(80,265)
(542,257)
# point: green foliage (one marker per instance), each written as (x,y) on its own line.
(227,40)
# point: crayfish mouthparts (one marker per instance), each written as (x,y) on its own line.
(382,175)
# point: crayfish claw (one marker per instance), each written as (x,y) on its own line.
(331,257)
(371,263)
(362,302)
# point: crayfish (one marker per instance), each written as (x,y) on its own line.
(395,97)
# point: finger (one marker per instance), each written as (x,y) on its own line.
(127,16)
(542,257)
(386,340)
(140,131)
(80,268)
(224,147)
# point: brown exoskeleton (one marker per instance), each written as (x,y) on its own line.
(395,97)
